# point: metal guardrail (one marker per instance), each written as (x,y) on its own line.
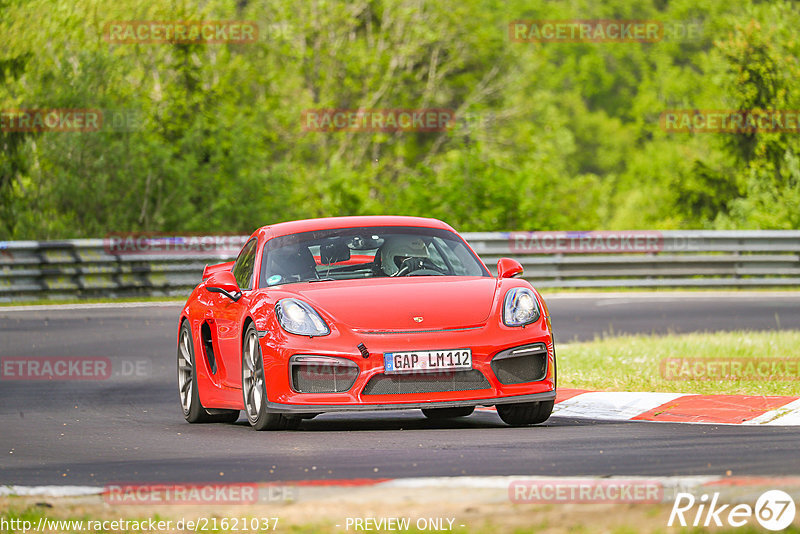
(90,268)
(700,258)
(171,266)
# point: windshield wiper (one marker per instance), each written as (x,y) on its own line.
(321,280)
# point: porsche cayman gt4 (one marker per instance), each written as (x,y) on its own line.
(363,313)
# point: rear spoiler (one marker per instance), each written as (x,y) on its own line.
(211,269)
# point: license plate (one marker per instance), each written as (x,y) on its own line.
(427,360)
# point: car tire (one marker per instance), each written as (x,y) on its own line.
(254,389)
(193,410)
(448,413)
(529,413)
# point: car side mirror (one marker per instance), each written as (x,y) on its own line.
(211,269)
(508,268)
(224,282)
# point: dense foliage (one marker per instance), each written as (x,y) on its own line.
(550,135)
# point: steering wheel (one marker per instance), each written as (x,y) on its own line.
(414,266)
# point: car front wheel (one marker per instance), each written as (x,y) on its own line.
(529,413)
(254,388)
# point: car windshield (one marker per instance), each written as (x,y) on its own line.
(376,252)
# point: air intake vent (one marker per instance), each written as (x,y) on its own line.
(521,364)
(426,383)
(208,347)
(320,374)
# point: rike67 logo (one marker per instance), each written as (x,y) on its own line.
(774,510)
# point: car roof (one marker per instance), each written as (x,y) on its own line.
(310,225)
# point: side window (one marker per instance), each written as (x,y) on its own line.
(243,268)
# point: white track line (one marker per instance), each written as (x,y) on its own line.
(49,491)
(467,482)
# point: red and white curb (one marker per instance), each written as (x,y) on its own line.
(773,410)
(678,407)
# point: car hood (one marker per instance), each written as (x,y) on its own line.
(393,304)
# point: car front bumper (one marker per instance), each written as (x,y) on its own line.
(485,341)
(325,408)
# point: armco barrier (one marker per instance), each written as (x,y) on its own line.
(85,268)
(694,258)
(90,268)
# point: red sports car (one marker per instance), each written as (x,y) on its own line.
(363,313)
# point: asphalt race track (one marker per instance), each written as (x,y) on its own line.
(129,428)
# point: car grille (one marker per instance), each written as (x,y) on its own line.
(426,383)
(521,364)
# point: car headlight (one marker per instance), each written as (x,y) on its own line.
(297,317)
(520,307)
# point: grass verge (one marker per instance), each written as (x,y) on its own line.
(319,517)
(747,363)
